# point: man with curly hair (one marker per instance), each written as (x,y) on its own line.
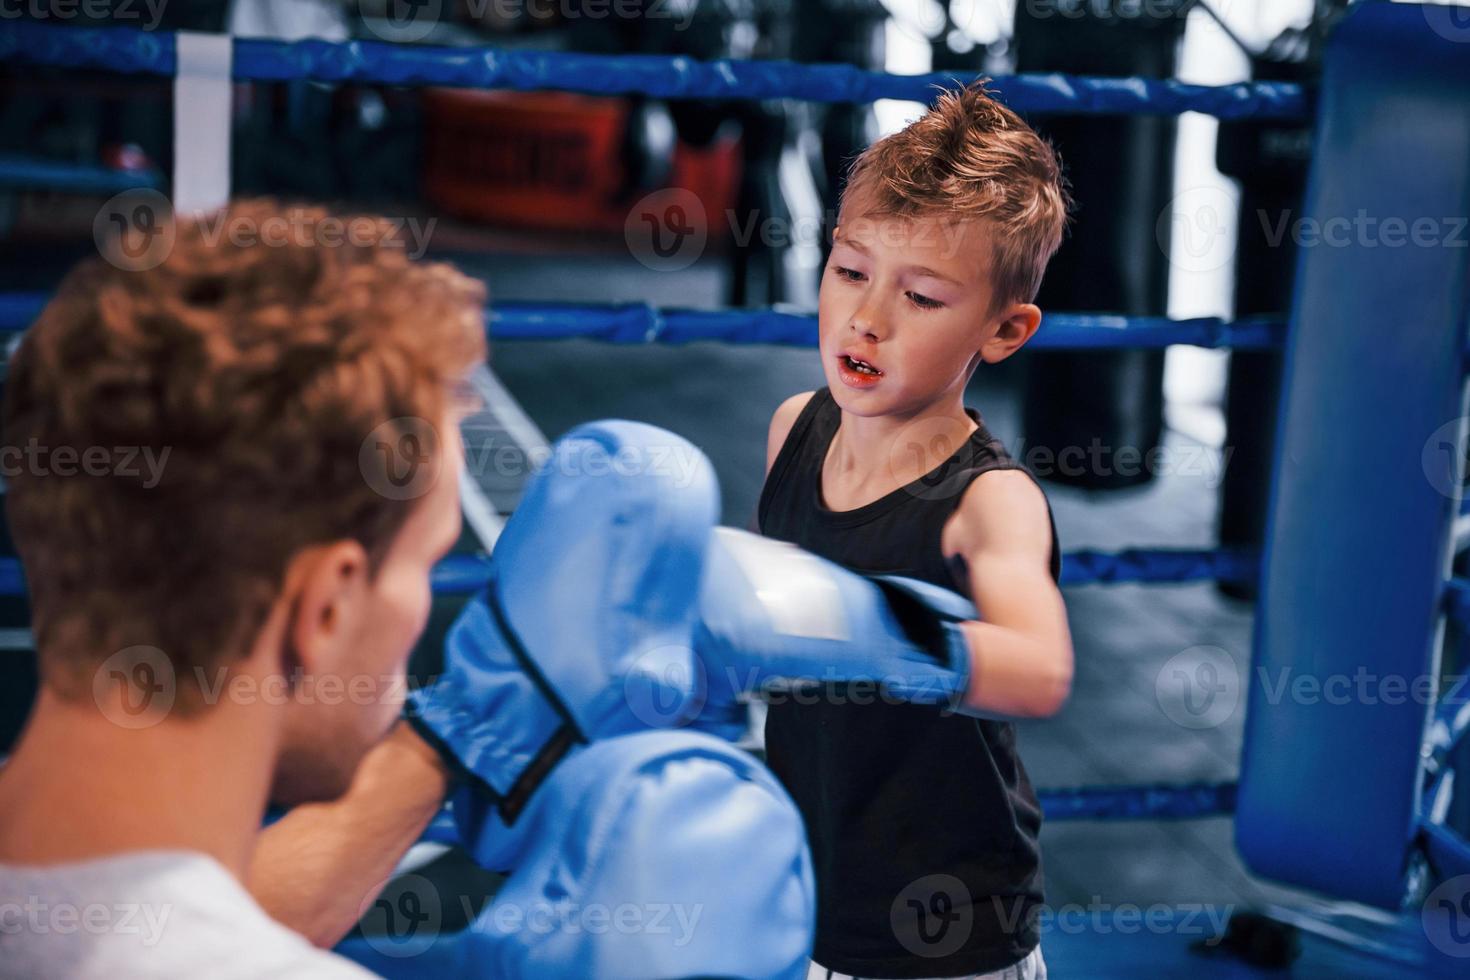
(230,627)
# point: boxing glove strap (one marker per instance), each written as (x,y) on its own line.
(553,750)
(560,743)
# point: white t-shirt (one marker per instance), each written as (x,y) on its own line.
(147,913)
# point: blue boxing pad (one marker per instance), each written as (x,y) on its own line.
(585,629)
(657,854)
(775,616)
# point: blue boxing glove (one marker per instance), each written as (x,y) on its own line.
(585,629)
(659,854)
(773,616)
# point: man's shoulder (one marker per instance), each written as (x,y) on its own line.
(155,913)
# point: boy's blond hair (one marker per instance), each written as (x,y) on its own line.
(969,157)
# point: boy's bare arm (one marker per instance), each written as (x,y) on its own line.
(781,423)
(999,543)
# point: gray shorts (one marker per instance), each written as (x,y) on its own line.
(1033,967)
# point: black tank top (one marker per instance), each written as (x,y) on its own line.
(923,823)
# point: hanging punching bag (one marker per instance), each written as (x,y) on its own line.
(1090,405)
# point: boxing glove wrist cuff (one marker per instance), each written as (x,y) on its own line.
(502,766)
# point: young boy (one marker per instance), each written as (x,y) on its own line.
(923,823)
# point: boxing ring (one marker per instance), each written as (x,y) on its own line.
(1348,800)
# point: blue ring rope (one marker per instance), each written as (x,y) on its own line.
(467,574)
(672,77)
(19,171)
(1149,802)
(639,323)
(1160,566)
(1153,802)
(626,323)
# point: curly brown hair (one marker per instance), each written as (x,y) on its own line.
(255,372)
(969,157)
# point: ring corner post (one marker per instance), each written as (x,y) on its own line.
(1359,539)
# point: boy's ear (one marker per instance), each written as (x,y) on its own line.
(1017,323)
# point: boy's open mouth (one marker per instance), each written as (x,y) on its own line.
(861,367)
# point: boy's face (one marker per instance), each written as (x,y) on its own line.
(911,299)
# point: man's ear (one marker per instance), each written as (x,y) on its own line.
(331,586)
(1017,324)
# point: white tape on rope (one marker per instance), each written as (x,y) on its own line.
(202,112)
